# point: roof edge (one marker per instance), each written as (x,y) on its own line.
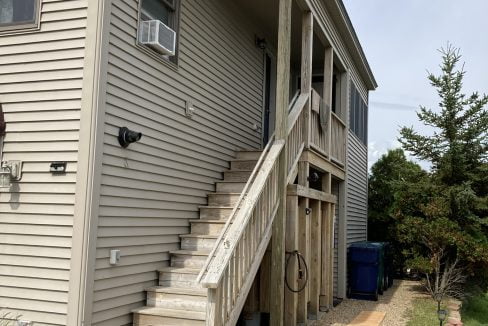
(343,22)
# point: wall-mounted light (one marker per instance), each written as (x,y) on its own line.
(314,177)
(58,167)
(260,42)
(10,171)
(127,136)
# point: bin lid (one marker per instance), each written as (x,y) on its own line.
(367,245)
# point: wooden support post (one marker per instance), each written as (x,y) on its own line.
(331,256)
(327,92)
(324,285)
(291,244)
(342,242)
(315,261)
(306,71)
(304,237)
(327,182)
(327,188)
(303,173)
(214,307)
(303,226)
(282,100)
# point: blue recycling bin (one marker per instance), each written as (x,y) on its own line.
(366,269)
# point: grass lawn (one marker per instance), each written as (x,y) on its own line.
(475,311)
(423,313)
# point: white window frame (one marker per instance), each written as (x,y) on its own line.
(171,61)
(22,26)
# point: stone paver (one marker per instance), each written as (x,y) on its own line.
(454,306)
(395,302)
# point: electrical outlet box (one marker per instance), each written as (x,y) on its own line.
(114,256)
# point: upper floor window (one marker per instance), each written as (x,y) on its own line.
(18,14)
(160,39)
(358,115)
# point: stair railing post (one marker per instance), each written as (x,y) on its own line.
(306,71)
(277,285)
(327,92)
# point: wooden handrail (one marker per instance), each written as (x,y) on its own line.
(248,229)
(296,105)
(214,273)
(296,110)
(236,207)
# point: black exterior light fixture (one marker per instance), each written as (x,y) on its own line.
(314,177)
(442,315)
(127,136)
(260,42)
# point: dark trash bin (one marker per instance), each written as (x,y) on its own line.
(366,269)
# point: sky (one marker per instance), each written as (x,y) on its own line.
(400,39)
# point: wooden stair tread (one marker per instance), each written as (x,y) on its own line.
(182,270)
(190,252)
(224,193)
(250,151)
(200,292)
(178,289)
(200,236)
(183,314)
(216,207)
(208,221)
(247,171)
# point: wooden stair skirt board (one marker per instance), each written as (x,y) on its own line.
(179,299)
(368,318)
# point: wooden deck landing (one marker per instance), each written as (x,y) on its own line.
(369,318)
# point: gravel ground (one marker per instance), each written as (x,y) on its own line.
(395,302)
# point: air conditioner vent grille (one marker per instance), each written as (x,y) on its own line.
(158,36)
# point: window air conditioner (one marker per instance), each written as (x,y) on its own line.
(158,36)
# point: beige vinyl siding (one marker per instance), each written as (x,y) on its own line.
(40,88)
(357,190)
(335,191)
(150,190)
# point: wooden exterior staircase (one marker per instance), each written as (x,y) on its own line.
(180,299)
(209,279)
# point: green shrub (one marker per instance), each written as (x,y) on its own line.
(475,310)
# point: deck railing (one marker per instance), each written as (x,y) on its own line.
(319,139)
(338,139)
(331,145)
(233,263)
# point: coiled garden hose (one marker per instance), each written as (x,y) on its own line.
(301,273)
